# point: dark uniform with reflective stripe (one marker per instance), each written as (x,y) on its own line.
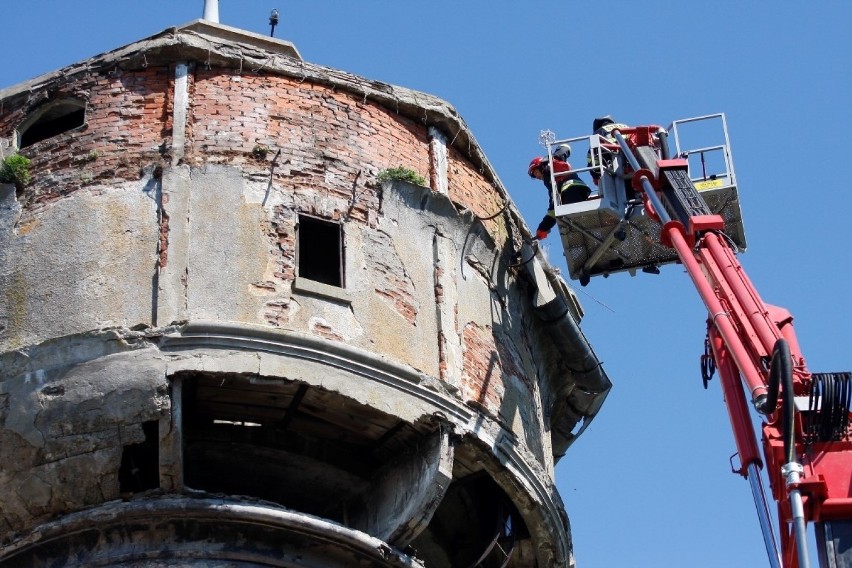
(605,131)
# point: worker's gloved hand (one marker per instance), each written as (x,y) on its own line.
(540,235)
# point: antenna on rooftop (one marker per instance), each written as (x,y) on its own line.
(273,21)
(211,11)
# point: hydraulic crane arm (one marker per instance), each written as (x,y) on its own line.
(806,438)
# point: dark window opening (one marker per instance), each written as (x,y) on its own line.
(320,251)
(272,441)
(59,118)
(286,442)
(139,470)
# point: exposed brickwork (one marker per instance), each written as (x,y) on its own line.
(278,312)
(330,141)
(283,235)
(208,267)
(469,187)
(163,242)
(321,328)
(492,364)
(511,362)
(10,117)
(127,127)
(395,284)
(442,337)
(332,144)
(482,374)
(442,356)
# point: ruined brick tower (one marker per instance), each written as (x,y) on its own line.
(230,336)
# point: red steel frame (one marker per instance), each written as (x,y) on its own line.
(742,331)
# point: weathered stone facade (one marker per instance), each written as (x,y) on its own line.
(165,362)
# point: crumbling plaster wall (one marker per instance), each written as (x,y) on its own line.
(67,409)
(85,262)
(391,284)
(219,243)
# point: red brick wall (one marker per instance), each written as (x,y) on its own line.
(470,188)
(10,117)
(330,141)
(482,378)
(127,124)
(490,367)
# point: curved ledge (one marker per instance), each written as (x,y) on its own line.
(219,335)
(195,530)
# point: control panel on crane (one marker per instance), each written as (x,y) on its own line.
(662,200)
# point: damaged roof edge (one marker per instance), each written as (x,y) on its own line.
(213,43)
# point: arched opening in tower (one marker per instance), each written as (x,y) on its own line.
(303,447)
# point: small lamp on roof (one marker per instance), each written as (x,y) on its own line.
(273,21)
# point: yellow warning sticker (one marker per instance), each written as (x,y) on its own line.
(708,184)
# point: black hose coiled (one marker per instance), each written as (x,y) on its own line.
(829,402)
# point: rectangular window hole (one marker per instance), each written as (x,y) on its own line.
(320,250)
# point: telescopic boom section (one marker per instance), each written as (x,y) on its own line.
(807,446)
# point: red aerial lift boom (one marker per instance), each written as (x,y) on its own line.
(807,447)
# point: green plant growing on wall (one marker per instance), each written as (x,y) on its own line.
(401,174)
(15,169)
(259,152)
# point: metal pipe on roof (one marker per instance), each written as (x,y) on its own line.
(211,11)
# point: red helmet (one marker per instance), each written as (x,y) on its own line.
(535,164)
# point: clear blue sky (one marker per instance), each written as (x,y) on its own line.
(649,483)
